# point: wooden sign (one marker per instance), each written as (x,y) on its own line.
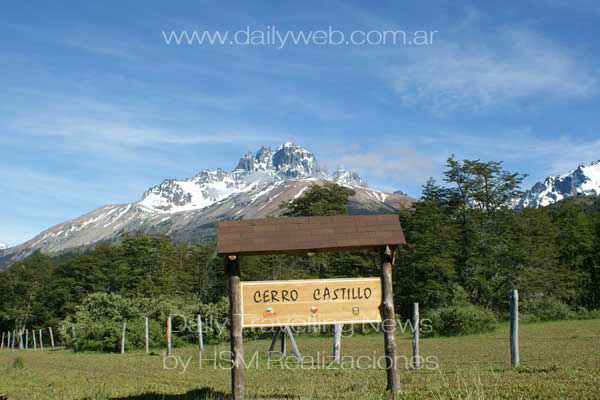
(310,302)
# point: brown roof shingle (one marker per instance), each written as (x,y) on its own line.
(302,234)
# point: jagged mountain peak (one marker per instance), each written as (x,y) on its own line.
(583,180)
(289,161)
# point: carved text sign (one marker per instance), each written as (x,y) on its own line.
(310,302)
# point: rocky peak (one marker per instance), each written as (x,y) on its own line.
(583,180)
(344,177)
(294,161)
(288,161)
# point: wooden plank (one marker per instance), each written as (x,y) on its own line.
(26,339)
(235,312)
(2,343)
(41,341)
(514,329)
(123,337)
(169,335)
(337,338)
(146,336)
(200,338)
(273,342)
(301,234)
(415,339)
(389,321)
(310,302)
(34,341)
(51,337)
(292,342)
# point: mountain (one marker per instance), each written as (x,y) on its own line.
(583,180)
(188,209)
(3,246)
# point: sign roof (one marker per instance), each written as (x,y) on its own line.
(304,234)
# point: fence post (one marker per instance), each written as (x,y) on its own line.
(169,335)
(41,340)
(51,337)
(21,339)
(34,341)
(200,338)
(123,337)
(337,337)
(2,343)
(75,338)
(415,339)
(26,339)
(146,335)
(514,329)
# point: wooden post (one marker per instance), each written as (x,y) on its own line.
(514,329)
(51,337)
(337,337)
(8,341)
(169,335)
(146,336)
(123,337)
(283,341)
(21,339)
(415,339)
(293,342)
(75,338)
(41,341)
(235,312)
(273,342)
(389,320)
(2,343)
(34,341)
(200,338)
(26,339)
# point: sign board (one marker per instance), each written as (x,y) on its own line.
(310,302)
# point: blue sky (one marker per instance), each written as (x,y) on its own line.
(95,107)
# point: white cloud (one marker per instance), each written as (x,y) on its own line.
(473,74)
(395,164)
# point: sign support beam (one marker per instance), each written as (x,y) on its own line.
(235,311)
(389,320)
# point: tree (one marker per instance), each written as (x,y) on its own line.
(319,200)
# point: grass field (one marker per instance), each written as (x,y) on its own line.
(559,360)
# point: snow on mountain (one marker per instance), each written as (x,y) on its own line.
(3,246)
(188,209)
(288,161)
(583,180)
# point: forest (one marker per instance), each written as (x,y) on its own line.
(466,250)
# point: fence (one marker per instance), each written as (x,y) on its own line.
(22,338)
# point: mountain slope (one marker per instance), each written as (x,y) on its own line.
(3,246)
(583,180)
(188,209)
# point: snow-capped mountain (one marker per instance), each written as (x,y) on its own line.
(188,209)
(583,180)
(3,246)
(288,161)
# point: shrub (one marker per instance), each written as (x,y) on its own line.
(18,363)
(545,308)
(463,319)
(98,322)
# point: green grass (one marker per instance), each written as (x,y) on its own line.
(558,360)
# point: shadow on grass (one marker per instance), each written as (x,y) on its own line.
(205,393)
(199,394)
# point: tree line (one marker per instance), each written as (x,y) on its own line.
(465,246)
